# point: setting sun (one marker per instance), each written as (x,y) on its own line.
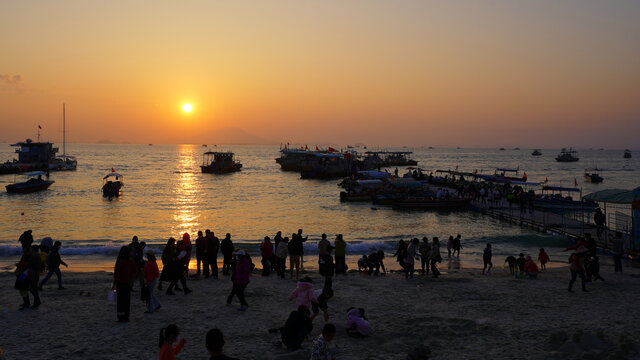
(187,107)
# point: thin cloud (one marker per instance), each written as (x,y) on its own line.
(12,83)
(11,79)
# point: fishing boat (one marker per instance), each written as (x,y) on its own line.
(389,158)
(536,152)
(501,149)
(627,154)
(507,175)
(592,176)
(64,162)
(567,156)
(291,159)
(218,162)
(111,184)
(35,183)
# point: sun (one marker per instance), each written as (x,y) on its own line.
(187,107)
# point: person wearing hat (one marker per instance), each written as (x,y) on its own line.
(53,263)
(240,279)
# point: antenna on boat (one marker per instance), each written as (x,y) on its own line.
(64,132)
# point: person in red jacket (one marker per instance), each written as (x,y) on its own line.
(151,275)
(123,275)
(240,278)
(168,336)
(266,250)
(530,268)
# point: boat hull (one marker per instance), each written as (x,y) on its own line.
(212,169)
(24,188)
(432,204)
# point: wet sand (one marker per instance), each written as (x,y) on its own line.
(461,315)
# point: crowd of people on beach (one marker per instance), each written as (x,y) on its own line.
(136,263)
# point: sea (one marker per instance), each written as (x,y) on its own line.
(166,195)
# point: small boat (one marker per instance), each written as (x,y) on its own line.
(216,162)
(516,148)
(150,144)
(501,149)
(111,184)
(536,152)
(567,156)
(627,154)
(592,176)
(35,183)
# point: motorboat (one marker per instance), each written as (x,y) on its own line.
(33,184)
(592,176)
(559,198)
(627,154)
(218,162)
(389,158)
(536,152)
(111,184)
(567,156)
(501,149)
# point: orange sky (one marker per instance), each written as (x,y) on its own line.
(491,73)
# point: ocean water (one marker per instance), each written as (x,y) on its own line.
(165,195)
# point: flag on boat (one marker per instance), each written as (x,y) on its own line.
(331,149)
(317,148)
(113,170)
(306,147)
(39,127)
(575,182)
(525,175)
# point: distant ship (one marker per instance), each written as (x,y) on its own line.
(567,156)
(627,154)
(536,152)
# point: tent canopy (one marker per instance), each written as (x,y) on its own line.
(616,196)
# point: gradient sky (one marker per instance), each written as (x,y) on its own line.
(441,73)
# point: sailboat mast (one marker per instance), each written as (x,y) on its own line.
(64,131)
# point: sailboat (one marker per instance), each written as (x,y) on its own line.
(64,162)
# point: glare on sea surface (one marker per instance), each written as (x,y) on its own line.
(187,107)
(186,193)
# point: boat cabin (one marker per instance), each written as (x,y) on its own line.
(218,162)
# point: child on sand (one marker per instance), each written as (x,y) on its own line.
(486,258)
(214,343)
(512,264)
(323,297)
(362,263)
(357,323)
(304,294)
(530,268)
(168,336)
(543,258)
(320,349)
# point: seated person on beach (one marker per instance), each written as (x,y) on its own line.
(320,349)
(512,264)
(214,343)
(543,258)
(296,329)
(357,323)
(323,297)
(375,262)
(530,268)
(362,263)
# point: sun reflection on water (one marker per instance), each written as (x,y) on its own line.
(186,191)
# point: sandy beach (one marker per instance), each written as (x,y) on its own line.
(461,315)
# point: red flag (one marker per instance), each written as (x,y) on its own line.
(575,182)
(39,127)
(306,147)
(317,148)
(112,170)
(525,175)
(331,149)
(546,180)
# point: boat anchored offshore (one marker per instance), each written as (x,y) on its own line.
(536,152)
(567,156)
(64,162)
(216,162)
(35,183)
(111,184)
(627,154)
(592,176)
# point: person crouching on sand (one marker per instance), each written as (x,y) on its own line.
(304,294)
(214,342)
(240,279)
(357,323)
(320,348)
(168,336)
(511,260)
(530,268)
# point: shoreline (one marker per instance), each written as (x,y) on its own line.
(458,315)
